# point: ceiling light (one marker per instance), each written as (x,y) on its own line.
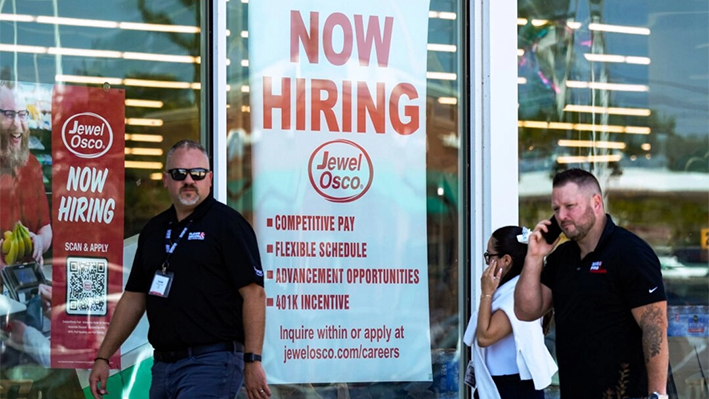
(446,48)
(144,122)
(607,110)
(588,158)
(158,27)
(143,151)
(441,76)
(617,58)
(88,79)
(631,30)
(14,48)
(93,23)
(143,165)
(148,138)
(606,86)
(591,144)
(143,103)
(448,100)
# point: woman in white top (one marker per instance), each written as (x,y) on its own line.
(507,352)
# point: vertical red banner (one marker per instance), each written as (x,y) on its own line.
(88,146)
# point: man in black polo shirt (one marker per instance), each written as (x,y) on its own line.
(197,272)
(607,292)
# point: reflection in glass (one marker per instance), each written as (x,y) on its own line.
(149,49)
(604,86)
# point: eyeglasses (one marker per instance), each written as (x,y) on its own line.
(180,174)
(488,255)
(11,114)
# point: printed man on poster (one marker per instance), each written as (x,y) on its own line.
(25,223)
(338,103)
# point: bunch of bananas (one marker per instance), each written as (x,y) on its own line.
(16,244)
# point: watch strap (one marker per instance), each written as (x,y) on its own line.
(251,357)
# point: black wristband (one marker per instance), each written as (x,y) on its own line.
(104,359)
(251,357)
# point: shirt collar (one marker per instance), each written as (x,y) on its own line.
(198,212)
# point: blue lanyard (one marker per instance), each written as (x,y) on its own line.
(170,246)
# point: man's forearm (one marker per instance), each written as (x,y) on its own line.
(529,302)
(254,318)
(652,319)
(655,346)
(129,310)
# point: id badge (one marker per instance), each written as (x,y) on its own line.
(470,375)
(162,281)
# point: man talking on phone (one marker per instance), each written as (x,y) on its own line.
(197,273)
(606,288)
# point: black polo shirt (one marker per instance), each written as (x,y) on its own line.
(598,342)
(217,256)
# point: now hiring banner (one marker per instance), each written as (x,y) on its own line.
(338,106)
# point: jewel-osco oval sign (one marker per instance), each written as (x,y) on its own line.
(87,135)
(340,171)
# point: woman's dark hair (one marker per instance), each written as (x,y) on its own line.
(506,244)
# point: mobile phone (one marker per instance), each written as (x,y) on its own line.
(553,231)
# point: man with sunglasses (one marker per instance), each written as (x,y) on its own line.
(197,273)
(22,194)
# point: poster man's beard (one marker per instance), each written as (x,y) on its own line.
(13,158)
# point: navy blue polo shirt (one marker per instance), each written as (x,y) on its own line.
(217,256)
(598,342)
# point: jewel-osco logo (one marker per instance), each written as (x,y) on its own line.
(87,135)
(340,171)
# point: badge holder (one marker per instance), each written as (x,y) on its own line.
(162,281)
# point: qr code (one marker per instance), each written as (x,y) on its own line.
(87,286)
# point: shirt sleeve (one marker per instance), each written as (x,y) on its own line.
(241,254)
(137,280)
(640,275)
(549,270)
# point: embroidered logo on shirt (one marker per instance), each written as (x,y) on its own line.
(196,235)
(258,272)
(597,267)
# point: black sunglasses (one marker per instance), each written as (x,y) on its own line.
(180,174)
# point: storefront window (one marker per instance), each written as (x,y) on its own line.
(314,104)
(148,55)
(605,87)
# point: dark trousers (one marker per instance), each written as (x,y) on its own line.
(511,387)
(216,375)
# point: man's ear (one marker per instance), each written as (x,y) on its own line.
(597,201)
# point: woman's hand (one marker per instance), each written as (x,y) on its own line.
(490,279)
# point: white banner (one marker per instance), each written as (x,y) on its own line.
(338,105)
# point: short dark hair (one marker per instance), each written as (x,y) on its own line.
(578,176)
(506,243)
(189,144)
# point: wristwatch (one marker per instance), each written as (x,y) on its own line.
(251,357)
(656,395)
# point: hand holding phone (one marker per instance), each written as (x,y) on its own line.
(553,231)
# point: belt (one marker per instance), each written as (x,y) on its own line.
(173,356)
